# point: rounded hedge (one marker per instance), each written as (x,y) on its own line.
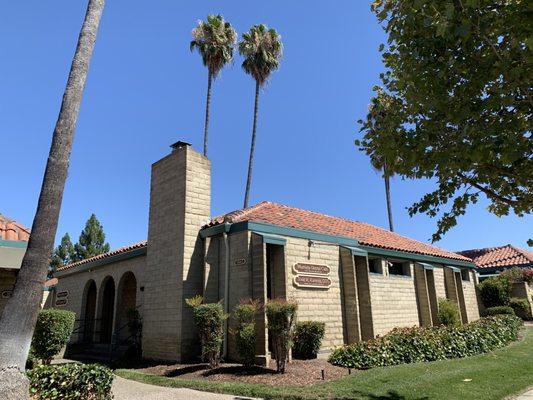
(52,332)
(71,382)
(495,291)
(308,337)
(409,345)
(448,313)
(500,310)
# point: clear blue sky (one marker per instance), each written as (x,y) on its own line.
(146,90)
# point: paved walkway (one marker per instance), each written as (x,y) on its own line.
(125,389)
(526,396)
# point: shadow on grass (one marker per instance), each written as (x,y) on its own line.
(183,371)
(391,395)
(239,370)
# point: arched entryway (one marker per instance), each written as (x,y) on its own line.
(89,311)
(107,305)
(126,304)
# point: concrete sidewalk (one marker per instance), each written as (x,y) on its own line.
(525,396)
(125,389)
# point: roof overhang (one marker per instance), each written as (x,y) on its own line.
(101,262)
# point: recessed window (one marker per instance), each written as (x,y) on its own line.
(375,266)
(398,268)
(465,275)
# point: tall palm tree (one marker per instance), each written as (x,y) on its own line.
(381,106)
(20,314)
(214,39)
(262,50)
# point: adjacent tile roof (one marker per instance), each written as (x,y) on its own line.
(503,256)
(12,230)
(365,234)
(120,250)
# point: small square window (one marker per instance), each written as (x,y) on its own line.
(399,268)
(375,266)
(465,275)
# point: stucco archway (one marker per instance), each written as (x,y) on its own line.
(126,303)
(88,311)
(106,307)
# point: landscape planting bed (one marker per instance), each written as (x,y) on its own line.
(298,372)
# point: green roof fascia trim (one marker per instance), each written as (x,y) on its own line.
(498,269)
(261,227)
(356,251)
(426,266)
(417,257)
(264,228)
(273,239)
(13,243)
(454,269)
(103,261)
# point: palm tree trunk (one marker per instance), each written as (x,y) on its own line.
(207,106)
(20,314)
(252,147)
(386,177)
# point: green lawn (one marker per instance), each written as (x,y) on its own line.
(494,375)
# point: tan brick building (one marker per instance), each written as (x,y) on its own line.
(359,279)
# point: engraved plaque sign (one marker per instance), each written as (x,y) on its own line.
(311,269)
(312,281)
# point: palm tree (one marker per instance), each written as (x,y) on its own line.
(214,39)
(382,106)
(20,314)
(262,49)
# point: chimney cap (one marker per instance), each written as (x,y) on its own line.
(179,144)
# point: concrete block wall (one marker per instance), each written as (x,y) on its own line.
(470,295)
(349,298)
(317,304)
(179,206)
(394,301)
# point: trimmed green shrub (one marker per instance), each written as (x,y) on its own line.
(499,310)
(448,313)
(209,319)
(244,332)
(308,337)
(280,316)
(495,291)
(409,345)
(52,332)
(71,382)
(521,307)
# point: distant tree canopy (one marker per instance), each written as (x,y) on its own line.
(63,254)
(92,240)
(90,243)
(459,73)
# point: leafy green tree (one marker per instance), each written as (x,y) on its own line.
(262,50)
(92,240)
(460,73)
(63,254)
(214,39)
(20,313)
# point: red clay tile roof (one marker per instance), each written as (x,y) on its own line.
(120,250)
(503,256)
(365,234)
(12,230)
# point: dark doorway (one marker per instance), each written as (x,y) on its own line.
(90,312)
(126,304)
(108,304)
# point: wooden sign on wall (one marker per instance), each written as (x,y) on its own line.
(312,281)
(311,269)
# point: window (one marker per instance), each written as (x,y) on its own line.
(398,268)
(465,275)
(374,266)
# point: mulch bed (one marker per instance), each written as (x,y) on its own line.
(297,372)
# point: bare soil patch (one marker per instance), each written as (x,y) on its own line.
(298,372)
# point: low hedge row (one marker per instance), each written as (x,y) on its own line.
(71,382)
(409,345)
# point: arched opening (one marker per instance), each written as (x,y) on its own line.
(126,304)
(89,312)
(107,308)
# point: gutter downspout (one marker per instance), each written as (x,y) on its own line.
(226,288)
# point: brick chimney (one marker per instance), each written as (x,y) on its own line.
(180,203)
